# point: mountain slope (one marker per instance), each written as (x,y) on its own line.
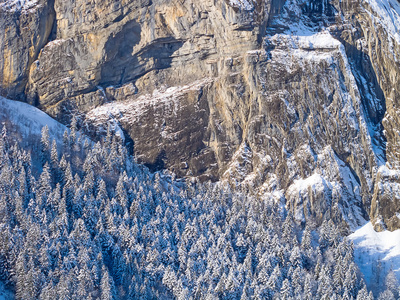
(93,224)
(376,253)
(27,121)
(293,100)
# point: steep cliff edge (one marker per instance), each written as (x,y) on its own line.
(295,99)
(372,43)
(25,28)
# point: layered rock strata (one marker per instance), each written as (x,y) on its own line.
(294,99)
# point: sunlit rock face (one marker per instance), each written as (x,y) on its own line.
(297,100)
(24,31)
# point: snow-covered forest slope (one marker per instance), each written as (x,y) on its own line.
(272,114)
(85,221)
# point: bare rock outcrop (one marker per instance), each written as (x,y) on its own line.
(23,33)
(148,43)
(296,100)
(373,44)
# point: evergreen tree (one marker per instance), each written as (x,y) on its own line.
(54,155)
(286,290)
(386,295)
(308,289)
(44,187)
(392,284)
(362,294)
(45,145)
(73,133)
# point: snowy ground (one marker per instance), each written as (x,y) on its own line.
(5,294)
(376,253)
(28,120)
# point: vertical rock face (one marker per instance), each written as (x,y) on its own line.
(111,51)
(24,31)
(373,43)
(296,99)
(148,43)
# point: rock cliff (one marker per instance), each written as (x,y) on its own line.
(297,100)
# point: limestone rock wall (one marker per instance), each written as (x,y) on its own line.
(23,33)
(296,100)
(372,44)
(108,43)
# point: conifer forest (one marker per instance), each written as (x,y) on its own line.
(83,220)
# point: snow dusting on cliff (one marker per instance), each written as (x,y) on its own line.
(388,15)
(242,4)
(17,4)
(376,253)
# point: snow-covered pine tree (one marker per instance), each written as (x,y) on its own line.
(45,145)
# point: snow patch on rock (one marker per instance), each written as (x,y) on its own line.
(242,4)
(388,15)
(16,5)
(132,108)
(332,181)
(376,253)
